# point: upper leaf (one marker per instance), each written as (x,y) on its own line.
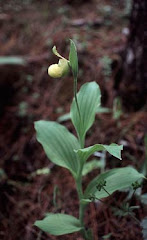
(88,100)
(73,59)
(59,144)
(66,116)
(113,149)
(59,224)
(116,179)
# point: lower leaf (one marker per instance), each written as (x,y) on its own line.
(59,224)
(111,181)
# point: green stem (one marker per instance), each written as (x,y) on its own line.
(79,187)
(80,195)
(82,206)
(81,141)
(75,96)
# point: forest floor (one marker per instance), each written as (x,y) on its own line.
(28,94)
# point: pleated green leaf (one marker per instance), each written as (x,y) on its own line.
(116,179)
(73,59)
(59,224)
(113,149)
(59,144)
(88,100)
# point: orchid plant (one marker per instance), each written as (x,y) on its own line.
(68,151)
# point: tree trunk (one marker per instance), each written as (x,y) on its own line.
(133,85)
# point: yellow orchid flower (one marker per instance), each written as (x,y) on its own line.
(61,69)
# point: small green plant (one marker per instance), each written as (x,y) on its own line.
(106,63)
(144,228)
(66,150)
(117,108)
(128,7)
(7,60)
(22,109)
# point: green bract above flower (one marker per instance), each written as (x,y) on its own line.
(61,69)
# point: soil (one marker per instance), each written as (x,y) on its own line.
(30,29)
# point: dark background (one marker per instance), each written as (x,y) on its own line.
(104,33)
